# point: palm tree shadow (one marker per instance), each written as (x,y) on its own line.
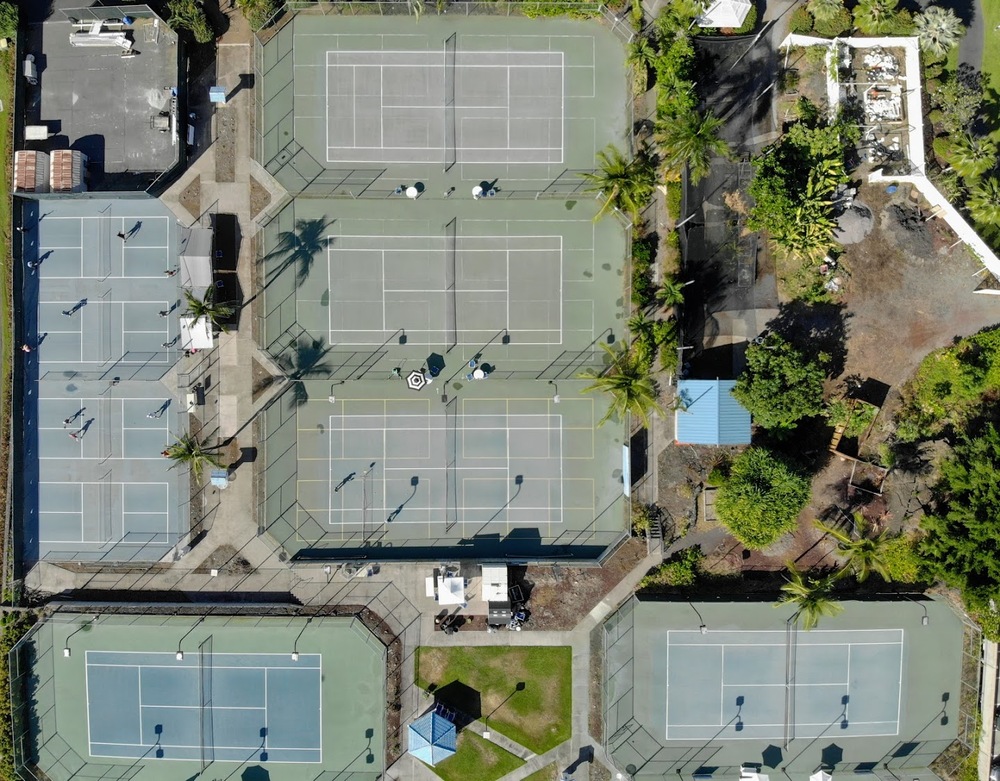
(304,360)
(298,249)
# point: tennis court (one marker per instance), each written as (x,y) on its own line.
(779,685)
(354,103)
(427,285)
(169,696)
(100,315)
(204,706)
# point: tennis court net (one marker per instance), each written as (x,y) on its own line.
(205,700)
(451,453)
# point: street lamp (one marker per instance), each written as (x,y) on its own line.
(180,654)
(295,644)
(518,687)
(555,398)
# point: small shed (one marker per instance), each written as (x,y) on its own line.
(196,334)
(708,414)
(196,260)
(725,13)
(494,582)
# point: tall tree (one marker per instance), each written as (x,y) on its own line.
(862,556)
(624,184)
(640,58)
(207,306)
(984,201)
(825,10)
(938,30)
(812,597)
(972,156)
(780,385)
(692,140)
(192,453)
(761,499)
(671,292)
(629,384)
(875,17)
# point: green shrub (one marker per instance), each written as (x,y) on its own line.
(836,26)
(749,24)
(673,240)
(258,12)
(801,21)
(856,418)
(13,626)
(719,474)
(901,559)
(189,15)
(761,500)
(674,198)
(642,518)
(643,289)
(679,571)
(8,20)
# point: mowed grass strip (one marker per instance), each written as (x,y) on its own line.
(547,773)
(478,759)
(991,44)
(539,717)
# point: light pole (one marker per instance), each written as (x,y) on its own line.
(180,654)
(518,687)
(555,397)
(295,643)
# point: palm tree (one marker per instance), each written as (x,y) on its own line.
(671,292)
(874,17)
(640,58)
(938,30)
(303,361)
(196,455)
(299,247)
(415,7)
(693,141)
(825,10)
(624,184)
(862,556)
(984,202)
(216,311)
(632,390)
(972,156)
(812,597)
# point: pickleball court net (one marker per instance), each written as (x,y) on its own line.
(450,130)
(450,273)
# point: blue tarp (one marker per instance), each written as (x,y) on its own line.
(432,738)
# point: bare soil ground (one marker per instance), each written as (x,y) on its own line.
(190,198)
(559,597)
(259,197)
(225,144)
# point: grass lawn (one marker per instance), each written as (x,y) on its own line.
(477,758)
(991,44)
(547,773)
(539,717)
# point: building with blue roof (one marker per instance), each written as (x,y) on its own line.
(708,414)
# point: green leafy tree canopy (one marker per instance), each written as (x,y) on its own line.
(8,20)
(761,499)
(780,385)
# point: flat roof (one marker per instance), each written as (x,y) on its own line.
(165,696)
(700,689)
(99,397)
(95,101)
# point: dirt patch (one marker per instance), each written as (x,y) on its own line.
(190,198)
(225,144)
(683,470)
(259,197)
(227,560)
(262,379)
(559,597)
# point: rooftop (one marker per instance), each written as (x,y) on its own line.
(94,100)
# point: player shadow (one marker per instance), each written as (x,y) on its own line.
(298,248)
(133,230)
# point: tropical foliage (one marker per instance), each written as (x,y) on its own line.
(692,140)
(793,184)
(680,570)
(958,101)
(962,541)
(8,20)
(882,17)
(189,15)
(628,382)
(192,453)
(258,12)
(863,555)
(825,10)
(938,30)
(812,597)
(780,385)
(984,201)
(623,184)
(761,498)
(207,306)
